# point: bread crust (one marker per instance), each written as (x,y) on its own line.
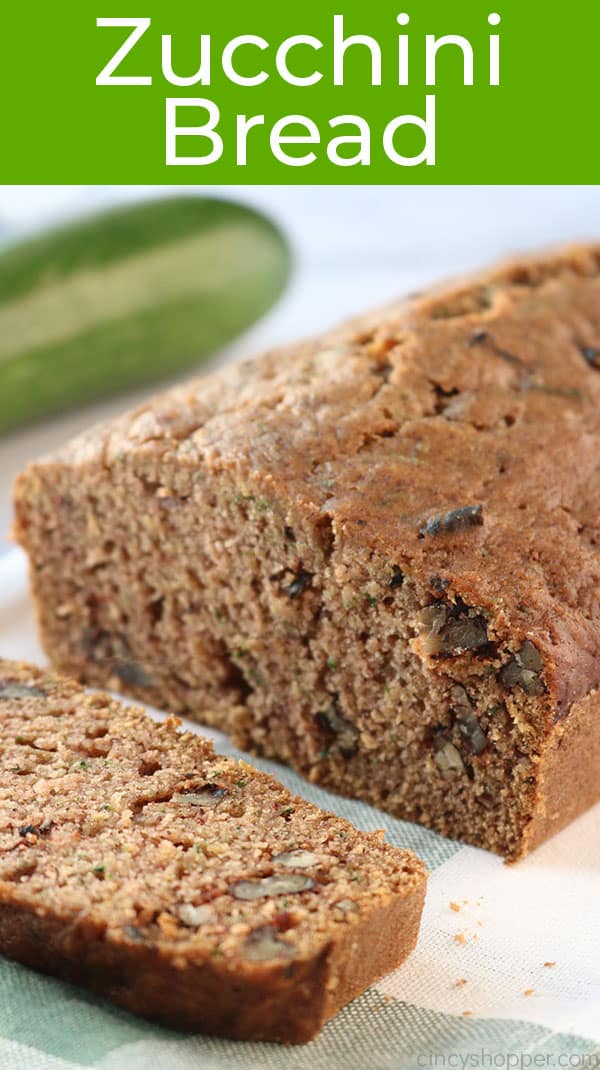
(269,1003)
(569,773)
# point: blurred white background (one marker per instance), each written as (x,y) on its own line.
(354,246)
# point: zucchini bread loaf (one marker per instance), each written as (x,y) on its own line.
(182,885)
(375,556)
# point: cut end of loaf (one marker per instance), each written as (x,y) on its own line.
(302,646)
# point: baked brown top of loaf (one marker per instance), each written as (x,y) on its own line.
(128,848)
(481,401)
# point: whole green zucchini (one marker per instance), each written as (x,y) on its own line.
(128,297)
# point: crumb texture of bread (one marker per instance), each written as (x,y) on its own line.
(185,886)
(375,556)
